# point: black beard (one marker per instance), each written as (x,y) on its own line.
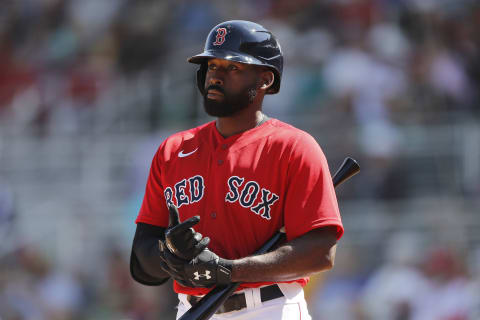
(231,104)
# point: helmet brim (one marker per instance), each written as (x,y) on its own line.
(226,55)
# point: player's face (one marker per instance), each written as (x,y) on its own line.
(229,87)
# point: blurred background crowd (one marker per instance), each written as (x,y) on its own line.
(89,88)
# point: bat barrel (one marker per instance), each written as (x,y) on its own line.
(348,169)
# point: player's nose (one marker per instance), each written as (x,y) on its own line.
(215,81)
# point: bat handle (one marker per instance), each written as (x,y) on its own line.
(205,311)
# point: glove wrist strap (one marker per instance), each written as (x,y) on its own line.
(224,271)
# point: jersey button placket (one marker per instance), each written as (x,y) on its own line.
(224,147)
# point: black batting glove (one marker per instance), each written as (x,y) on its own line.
(181,239)
(173,265)
(208,269)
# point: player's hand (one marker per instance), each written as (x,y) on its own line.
(181,239)
(173,265)
(208,269)
(205,270)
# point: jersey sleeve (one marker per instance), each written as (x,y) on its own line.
(154,208)
(310,200)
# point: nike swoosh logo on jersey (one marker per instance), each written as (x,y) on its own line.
(183,155)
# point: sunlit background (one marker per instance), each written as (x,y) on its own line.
(90,88)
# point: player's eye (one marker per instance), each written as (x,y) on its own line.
(212,67)
(232,67)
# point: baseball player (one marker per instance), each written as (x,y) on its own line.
(217,192)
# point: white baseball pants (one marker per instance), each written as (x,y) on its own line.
(290,307)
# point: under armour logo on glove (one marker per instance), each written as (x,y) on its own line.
(216,271)
(206,275)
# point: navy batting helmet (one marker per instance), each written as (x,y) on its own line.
(244,42)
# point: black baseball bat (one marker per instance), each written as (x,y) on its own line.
(210,303)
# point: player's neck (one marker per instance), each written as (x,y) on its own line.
(229,126)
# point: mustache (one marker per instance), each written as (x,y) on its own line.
(214,87)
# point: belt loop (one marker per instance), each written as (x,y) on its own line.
(183,298)
(257,298)
(249,298)
(292,291)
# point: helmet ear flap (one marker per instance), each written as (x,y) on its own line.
(201,75)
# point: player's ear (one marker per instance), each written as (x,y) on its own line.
(266,79)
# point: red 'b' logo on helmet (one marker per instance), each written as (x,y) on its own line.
(220,38)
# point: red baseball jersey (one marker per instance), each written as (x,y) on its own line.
(244,187)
